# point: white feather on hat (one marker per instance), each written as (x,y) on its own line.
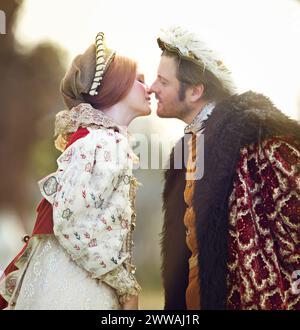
(188,46)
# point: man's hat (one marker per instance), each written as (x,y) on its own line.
(189,47)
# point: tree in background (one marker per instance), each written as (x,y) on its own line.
(29,94)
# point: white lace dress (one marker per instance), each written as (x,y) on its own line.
(53,281)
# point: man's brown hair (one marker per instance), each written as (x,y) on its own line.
(192,74)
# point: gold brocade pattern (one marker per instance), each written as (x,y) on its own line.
(264,228)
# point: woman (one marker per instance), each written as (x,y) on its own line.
(79,254)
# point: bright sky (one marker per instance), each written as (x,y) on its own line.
(258,39)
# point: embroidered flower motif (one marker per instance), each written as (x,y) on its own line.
(114,260)
(76,247)
(126,179)
(67,213)
(66,157)
(99,204)
(11,284)
(87,235)
(120,218)
(77,235)
(107,156)
(88,167)
(93,243)
(124,224)
(50,186)
(103,264)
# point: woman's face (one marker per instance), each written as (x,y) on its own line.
(138,98)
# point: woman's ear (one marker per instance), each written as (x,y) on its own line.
(194,93)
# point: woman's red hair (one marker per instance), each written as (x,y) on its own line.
(116,83)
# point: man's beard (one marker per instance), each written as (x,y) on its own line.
(184,111)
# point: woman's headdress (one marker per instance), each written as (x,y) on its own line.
(86,72)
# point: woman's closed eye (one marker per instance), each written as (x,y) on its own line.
(140,77)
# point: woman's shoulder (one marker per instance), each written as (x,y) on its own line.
(97,140)
(110,135)
(97,134)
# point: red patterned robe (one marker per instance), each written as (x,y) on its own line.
(264,228)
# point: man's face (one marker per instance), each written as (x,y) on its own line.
(166,89)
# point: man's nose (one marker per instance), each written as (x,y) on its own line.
(151,89)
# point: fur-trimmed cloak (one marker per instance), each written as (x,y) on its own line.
(247,208)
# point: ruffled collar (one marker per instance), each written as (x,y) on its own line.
(197,124)
(83,115)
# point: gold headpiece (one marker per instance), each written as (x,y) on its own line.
(104,56)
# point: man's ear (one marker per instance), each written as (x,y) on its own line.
(194,93)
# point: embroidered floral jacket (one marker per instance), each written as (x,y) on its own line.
(92,196)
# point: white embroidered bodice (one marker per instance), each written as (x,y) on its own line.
(90,198)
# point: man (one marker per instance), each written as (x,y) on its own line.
(231,237)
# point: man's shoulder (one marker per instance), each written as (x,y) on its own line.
(249,117)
